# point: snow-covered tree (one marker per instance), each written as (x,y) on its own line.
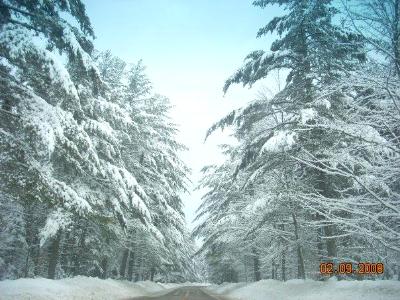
(307,153)
(40,131)
(150,150)
(90,165)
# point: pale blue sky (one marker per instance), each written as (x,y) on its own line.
(189,48)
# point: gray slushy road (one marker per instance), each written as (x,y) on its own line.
(182,293)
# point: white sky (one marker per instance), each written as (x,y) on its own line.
(190,48)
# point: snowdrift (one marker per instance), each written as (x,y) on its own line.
(310,290)
(77,288)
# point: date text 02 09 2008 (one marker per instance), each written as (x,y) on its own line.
(365,268)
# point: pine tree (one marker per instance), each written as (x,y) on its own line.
(89,156)
(277,133)
(150,150)
(41,108)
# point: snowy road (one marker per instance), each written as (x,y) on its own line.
(183,293)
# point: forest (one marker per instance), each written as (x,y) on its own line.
(92,180)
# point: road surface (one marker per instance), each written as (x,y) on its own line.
(182,293)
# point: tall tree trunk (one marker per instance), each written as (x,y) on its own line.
(138,267)
(300,259)
(330,228)
(330,242)
(256,265)
(152,273)
(318,218)
(36,260)
(303,79)
(130,265)
(35,252)
(104,267)
(283,263)
(283,257)
(273,275)
(66,252)
(122,269)
(53,256)
(77,256)
(245,268)
(32,237)
(26,273)
(320,245)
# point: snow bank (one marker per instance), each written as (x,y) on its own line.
(310,290)
(76,288)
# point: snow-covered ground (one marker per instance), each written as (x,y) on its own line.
(76,288)
(81,287)
(310,290)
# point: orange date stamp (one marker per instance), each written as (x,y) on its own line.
(346,268)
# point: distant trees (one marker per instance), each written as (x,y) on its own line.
(91,180)
(315,177)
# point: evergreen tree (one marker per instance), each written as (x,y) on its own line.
(40,113)
(276,133)
(89,164)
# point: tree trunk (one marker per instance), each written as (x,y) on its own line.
(130,265)
(122,269)
(330,242)
(273,269)
(283,262)
(35,253)
(245,268)
(300,259)
(104,266)
(152,273)
(26,273)
(256,265)
(320,246)
(138,267)
(328,229)
(283,258)
(303,77)
(77,256)
(32,238)
(66,252)
(53,256)
(273,275)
